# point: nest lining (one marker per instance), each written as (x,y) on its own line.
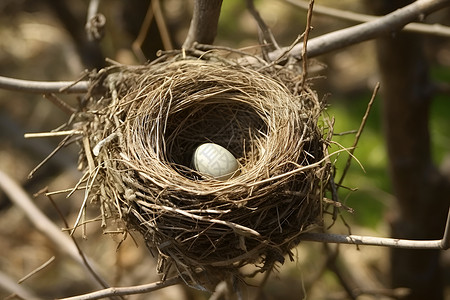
(146,125)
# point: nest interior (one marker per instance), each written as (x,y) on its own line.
(142,124)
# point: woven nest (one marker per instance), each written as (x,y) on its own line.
(143,124)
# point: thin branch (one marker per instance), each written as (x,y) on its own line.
(59,147)
(20,198)
(266,33)
(136,46)
(45,87)
(132,290)
(363,32)
(203,28)
(38,269)
(305,42)
(18,291)
(65,107)
(82,255)
(431,29)
(162,26)
(442,244)
(358,134)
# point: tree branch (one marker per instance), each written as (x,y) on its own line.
(432,29)
(203,28)
(363,32)
(442,244)
(132,290)
(63,242)
(44,87)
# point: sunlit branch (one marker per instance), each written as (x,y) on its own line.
(442,244)
(382,26)
(431,29)
(131,290)
(43,87)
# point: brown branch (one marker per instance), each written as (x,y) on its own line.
(363,32)
(203,28)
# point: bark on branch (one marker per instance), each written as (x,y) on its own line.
(363,32)
(203,28)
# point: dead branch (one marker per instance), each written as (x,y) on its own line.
(363,32)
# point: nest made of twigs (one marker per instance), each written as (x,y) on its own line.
(143,124)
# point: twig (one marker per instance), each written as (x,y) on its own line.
(203,28)
(51,134)
(39,220)
(132,290)
(60,145)
(82,255)
(363,32)
(45,87)
(18,291)
(431,29)
(358,134)
(65,107)
(305,43)
(266,33)
(41,267)
(161,23)
(137,43)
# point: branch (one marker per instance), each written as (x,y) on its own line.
(19,291)
(442,244)
(43,87)
(363,32)
(18,196)
(432,29)
(203,28)
(132,290)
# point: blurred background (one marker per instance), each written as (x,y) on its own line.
(46,40)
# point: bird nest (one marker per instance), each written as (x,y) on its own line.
(141,126)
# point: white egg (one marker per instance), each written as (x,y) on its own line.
(216,161)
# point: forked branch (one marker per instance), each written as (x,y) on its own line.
(388,24)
